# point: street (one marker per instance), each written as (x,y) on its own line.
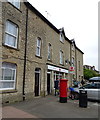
(50,107)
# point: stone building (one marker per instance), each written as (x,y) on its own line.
(34,54)
(89,67)
(13,50)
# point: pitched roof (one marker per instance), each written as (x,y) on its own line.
(41,16)
(48,22)
(44,19)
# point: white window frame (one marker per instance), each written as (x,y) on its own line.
(49,51)
(61,57)
(73,61)
(72,46)
(61,37)
(10,34)
(4,81)
(38,47)
(14,3)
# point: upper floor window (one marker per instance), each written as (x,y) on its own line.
(38,48)
(73,61)
(8,76)
(73,47)
(11,34)
(16,3)
(61,57)
(61,37)
(49,52)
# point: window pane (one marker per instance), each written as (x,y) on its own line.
(9,65)
(97,86)
(7,74)
(61,57)
(38,42)
(15,3)
(7,85)
(13,75)
(49,51)
(11,34)
(11,28)
(61,37)
(38,51)
(10,40)
(10,1)
(49,56)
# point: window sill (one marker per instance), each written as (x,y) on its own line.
(38,56)
(8,91)
(61,64)
(49,60)
(10,47)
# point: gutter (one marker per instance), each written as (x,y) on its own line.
(25,60)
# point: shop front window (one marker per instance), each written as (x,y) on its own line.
(8,77)
(58,76)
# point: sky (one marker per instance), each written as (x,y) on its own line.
(80,21)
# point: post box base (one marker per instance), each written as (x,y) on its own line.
(63,99)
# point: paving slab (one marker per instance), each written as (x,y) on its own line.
(12,112)
(50,107)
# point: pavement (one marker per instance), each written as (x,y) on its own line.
(50,107)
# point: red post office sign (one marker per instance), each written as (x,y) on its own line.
(71,69)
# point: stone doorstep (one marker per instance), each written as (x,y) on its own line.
(12,112)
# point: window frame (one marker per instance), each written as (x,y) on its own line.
(61,57)
(13,3)
(73,61)
(8,22)
(61,37)
(38,47)
(4,81)
(49,51)
(73,46)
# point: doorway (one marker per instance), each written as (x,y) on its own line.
(37,80)
(48,83)
(58,76)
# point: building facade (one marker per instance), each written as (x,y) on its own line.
(89,67)
(34,54)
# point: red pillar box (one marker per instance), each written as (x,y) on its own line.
(63,90)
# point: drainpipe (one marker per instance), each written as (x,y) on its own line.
(25,60)
(70,62)
(76,63)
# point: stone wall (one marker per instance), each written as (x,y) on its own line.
(79,72)
(36,28)
(9,12)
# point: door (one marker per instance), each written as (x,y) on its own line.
(37,77)
(48,84)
